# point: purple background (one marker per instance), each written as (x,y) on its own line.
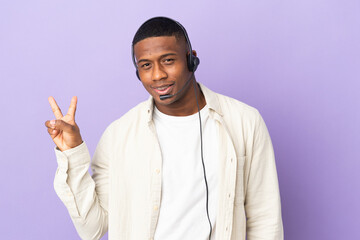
(298,62)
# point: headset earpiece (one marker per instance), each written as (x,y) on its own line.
(196,63)
(193,62)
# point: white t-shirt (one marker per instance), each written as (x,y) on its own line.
(183,200)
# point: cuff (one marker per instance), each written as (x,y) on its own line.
(73,157)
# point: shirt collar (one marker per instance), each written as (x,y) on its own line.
(211,99)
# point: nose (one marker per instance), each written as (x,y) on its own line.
(158,73)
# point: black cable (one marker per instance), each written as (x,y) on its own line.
(202,160)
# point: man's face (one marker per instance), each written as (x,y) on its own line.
(162,67)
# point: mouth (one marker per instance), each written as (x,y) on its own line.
(163,89)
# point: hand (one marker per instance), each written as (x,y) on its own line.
(64,131)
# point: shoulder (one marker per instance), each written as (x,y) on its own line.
(230,108)
(133,118)
(242,121)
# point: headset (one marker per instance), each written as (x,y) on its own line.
(192,64)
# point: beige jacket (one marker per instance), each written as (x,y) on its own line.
(124,193)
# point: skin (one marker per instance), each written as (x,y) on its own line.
(161,62)
(63,130)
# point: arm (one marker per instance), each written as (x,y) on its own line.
(262,202)
(84,196)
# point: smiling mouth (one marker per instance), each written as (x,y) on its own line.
(163,90)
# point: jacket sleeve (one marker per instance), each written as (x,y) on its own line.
(85,196)
(262,201)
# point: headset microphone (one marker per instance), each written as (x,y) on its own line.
(164,97)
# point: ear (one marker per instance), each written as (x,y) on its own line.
(193,53)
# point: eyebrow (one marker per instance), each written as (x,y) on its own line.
(162,56)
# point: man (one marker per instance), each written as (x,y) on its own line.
(186,164)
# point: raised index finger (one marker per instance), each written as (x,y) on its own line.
(55,108)
(72,108)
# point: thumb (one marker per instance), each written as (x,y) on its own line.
(61,125)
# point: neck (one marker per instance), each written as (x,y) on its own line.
(186,105)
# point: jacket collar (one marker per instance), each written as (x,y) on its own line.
(211,99)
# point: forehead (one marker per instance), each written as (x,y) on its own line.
(154,46)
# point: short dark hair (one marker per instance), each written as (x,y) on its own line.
(157,27)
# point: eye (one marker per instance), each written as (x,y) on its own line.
(145,66)
(169,60)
